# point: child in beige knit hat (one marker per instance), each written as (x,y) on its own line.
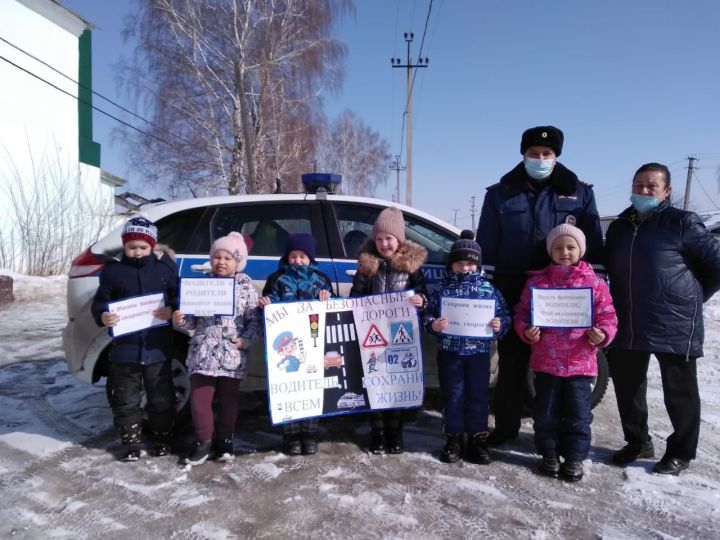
(389,262)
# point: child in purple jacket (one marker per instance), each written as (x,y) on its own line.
(564,359)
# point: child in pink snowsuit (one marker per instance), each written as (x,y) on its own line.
(564,359)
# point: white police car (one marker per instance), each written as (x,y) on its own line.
(339,223)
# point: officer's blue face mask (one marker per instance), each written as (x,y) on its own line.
(539,168)
(644,203)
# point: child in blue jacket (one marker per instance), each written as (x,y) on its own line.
(464,361)
(298,278)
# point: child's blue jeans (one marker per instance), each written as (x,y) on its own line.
(562,414)
(464,384)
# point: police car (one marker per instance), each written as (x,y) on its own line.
(339,223)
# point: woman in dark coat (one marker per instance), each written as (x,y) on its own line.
(663,264)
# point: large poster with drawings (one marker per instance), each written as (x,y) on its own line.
(343,356)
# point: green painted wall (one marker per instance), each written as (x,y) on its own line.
(88,150)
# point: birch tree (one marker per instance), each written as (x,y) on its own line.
(233,87)
(351,148)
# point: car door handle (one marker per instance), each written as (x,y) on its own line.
(350,272)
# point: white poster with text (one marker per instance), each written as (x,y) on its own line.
(343,356)
(136,313)
(562,308)
(207,296)
(468,317)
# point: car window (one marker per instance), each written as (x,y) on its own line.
(267,226)
(182,230)
(355,223)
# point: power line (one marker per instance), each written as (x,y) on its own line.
(412,84)
(705,192)
(80,85)
(89,104)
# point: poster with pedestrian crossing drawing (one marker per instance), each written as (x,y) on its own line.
(343,356)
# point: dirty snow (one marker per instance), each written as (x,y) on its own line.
(59,477)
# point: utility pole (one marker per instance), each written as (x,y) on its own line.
(397,63)
(686,202)
(455,217)
(472,213)
(397,168)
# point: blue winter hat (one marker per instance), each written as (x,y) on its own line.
(303,242)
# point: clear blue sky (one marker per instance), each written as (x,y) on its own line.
(628,83)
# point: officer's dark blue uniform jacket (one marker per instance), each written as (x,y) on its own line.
(661,271)
(136,277)
(519,212)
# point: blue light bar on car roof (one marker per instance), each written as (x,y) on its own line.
(315,182)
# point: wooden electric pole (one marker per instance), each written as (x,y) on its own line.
(397,63)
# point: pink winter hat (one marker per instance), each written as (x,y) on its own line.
(565,229)
(233,243)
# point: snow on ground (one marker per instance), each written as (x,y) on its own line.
(59,477)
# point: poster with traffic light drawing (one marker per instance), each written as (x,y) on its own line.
(343,356)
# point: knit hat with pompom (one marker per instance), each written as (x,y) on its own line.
(233,243)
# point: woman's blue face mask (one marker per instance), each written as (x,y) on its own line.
(644,203)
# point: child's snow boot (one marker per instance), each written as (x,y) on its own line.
(550,466)
(572,471)
(161,443)
(200,453)
(395,442)
(377,441)
(453,448)
(309,444)
(292,444)
(131,437)
(223,449)
(478,449)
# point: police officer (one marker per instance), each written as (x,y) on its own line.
(517,214)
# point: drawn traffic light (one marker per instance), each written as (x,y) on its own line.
(314,327)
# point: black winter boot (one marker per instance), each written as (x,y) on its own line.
(478,449)
(572,471)
(550,466)
(395,442)
(453,448)
(377,441)
(200,453)
(223,448)
(292,444)
(162,443)
(309,444)
(131,437)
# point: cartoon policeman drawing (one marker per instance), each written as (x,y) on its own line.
(286,346)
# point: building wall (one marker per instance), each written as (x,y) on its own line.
(46,147)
